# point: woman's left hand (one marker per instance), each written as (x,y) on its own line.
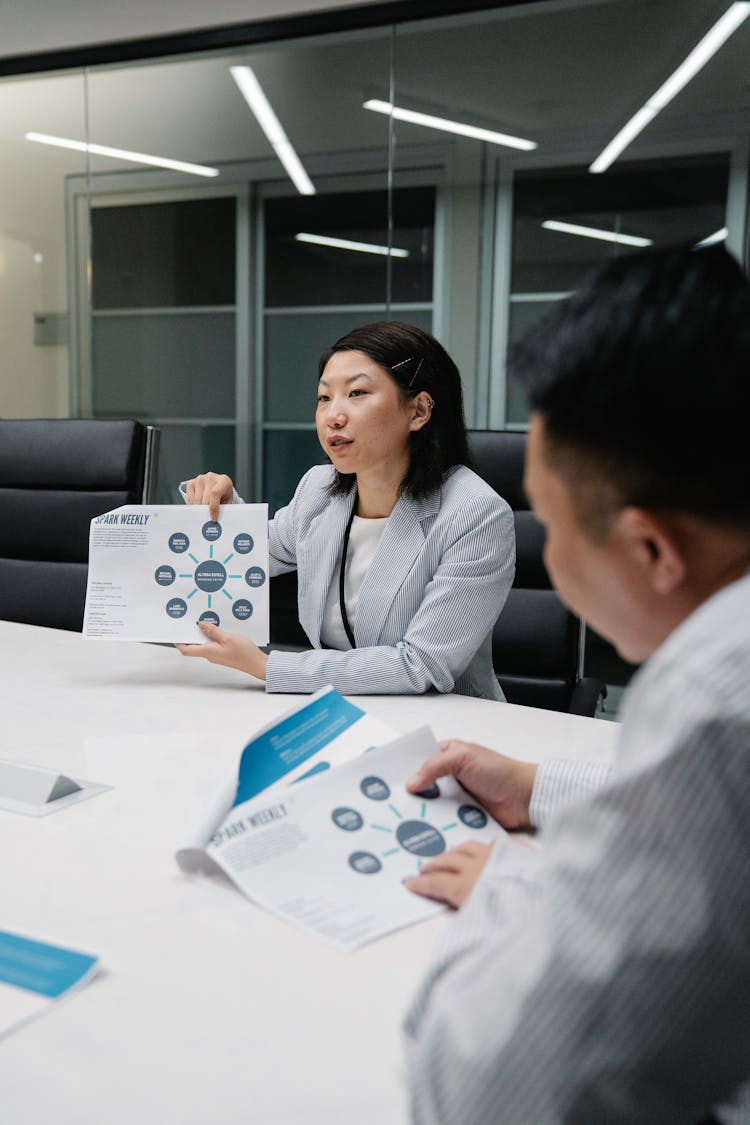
(228,649)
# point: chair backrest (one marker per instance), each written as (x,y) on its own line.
(55,476)
(537,642)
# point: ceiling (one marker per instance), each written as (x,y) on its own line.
(565,74)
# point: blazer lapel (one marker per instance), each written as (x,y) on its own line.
(317,555)
(401,544)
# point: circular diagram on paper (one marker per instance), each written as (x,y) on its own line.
(210,572)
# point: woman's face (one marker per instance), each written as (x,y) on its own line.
(363,422)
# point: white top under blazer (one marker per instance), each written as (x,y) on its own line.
(363,543)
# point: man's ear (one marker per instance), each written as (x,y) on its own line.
(655,547)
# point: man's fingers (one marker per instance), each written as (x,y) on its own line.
(438,886)
(441,765)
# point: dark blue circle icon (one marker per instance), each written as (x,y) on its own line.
(472,816)
(428,794)
(164,575)
(211,617)
(243,543)
(179,542)
(419,838)
(176,608)
(210,576)
(255,576)
(365,863)
(242,609)
(348,819)
(375,788)
(211,530)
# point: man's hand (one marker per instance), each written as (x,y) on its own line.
(228,649)
(212,489)
(501,784)
(450,877)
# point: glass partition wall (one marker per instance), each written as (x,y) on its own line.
(181,238)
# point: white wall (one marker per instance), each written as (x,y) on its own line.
(32,26)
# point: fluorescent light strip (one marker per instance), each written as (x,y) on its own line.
(717,236)
(347,244)
(695,61)
(447,126)
(594,232)
(123,154)
(252,92)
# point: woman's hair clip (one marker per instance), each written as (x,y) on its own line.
(410,359)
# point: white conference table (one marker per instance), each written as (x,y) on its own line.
(207,1008)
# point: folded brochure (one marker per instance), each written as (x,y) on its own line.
(155,570)
(331,854)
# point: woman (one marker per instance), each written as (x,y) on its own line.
(428,547)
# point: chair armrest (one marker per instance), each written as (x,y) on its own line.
(586,695)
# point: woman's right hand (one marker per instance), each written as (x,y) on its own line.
(212,489)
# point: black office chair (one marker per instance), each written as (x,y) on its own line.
(537,643)
(55,476)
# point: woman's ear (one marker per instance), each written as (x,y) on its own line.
(655,547)
(422,405)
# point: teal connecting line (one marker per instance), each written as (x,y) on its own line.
(226,560)
(210,550)
(395,810)
(391,851)
(380,828)
(195,591)
(227,594)
(196,561)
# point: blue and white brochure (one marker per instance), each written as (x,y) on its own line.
(305,742)
(331,855)
(35,974)
(155,570)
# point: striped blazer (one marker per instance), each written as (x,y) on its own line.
(427,606)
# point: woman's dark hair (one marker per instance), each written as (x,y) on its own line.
(416,362)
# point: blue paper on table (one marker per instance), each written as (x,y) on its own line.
(34,975)
(38,967)
(295,740)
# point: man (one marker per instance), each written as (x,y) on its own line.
(606,978)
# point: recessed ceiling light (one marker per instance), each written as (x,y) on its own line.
(695,61)
(252,92)
(717,236)
(347,244)
(448,126)
(595,232)
(123,154)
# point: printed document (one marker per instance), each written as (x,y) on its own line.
(156,570)
(34,974)
(331,854)
(309,739)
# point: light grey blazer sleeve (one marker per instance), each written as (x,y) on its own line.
(437,584)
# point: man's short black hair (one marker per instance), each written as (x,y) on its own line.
(642,377)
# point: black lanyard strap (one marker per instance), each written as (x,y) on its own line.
(342,577)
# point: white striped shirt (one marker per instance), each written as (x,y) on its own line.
(606,978)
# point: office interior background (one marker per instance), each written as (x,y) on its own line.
(187,299)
